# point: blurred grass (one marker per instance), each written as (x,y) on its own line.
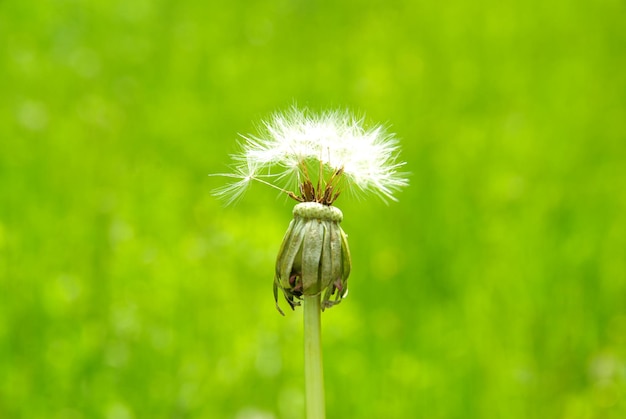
(495,288)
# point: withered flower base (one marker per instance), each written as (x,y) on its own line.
(314,258)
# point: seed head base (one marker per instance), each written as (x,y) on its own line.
(314,258)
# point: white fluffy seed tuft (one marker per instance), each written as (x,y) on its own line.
(297,146)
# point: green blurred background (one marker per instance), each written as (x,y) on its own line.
(495,287)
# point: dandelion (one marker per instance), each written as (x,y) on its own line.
(313,159)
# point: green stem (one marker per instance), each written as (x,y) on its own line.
(313,370)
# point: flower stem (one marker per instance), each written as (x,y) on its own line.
(313,370)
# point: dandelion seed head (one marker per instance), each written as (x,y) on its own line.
(309,151)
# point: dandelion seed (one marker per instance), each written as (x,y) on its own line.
(231,192)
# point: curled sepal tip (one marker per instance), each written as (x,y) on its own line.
(314,258)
